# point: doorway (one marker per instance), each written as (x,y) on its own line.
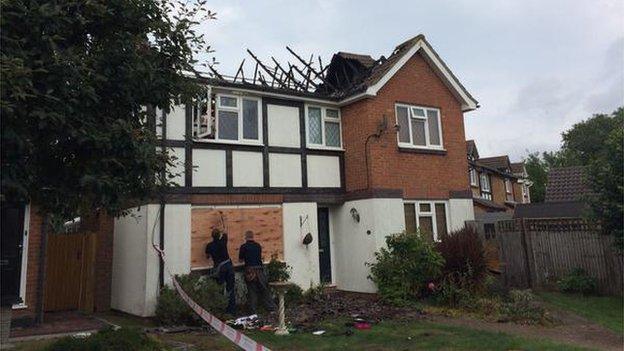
(11,244)
(324,245)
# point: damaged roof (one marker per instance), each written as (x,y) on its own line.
(348,77)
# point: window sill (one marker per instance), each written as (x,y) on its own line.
(19,306)
(420,150)
(229,142)
(328,148)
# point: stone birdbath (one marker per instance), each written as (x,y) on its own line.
(280,288)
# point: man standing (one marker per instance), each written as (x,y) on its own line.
(257,283)
(217,249)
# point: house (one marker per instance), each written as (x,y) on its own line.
(497,184)
(346,154)
(567,192)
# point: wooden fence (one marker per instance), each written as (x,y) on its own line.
(536,252)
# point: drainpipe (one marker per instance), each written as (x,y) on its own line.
(161,271)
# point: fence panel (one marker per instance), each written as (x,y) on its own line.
(536,252)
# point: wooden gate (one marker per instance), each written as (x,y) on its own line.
(70,272)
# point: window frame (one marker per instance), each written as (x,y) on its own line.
(239,110)
(411,145)
(324,118)
(486,193)
(474,177)
(432,213)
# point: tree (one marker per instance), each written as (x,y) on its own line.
(606,176)
(77,76)
(537,167)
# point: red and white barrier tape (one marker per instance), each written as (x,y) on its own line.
(235,336)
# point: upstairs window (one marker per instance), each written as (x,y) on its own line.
(473,177)
(419,127)
(486,191)
(238,119)
(323,127)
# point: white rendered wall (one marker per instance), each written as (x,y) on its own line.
(178,167)
(303,259)
(136,266)
(354,246)
(209,167)
(460,211)
(284,170)
(283,125)
(247,169)
(323,171)
(176,123)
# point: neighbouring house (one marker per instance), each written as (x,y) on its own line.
(77,273)
(497,184)
(567,192)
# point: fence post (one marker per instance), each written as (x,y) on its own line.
(523,233)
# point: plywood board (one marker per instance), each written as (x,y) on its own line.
(265,222)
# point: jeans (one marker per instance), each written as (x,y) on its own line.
(259,288)
(226,275)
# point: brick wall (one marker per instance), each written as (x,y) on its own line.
(419,175)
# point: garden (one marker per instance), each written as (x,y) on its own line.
(431,296)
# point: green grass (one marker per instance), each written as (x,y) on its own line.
(604,310)
(384,336)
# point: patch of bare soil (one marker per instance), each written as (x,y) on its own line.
(571,329)
(338,304)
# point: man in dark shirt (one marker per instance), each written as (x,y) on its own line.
(224,270)
(257,283)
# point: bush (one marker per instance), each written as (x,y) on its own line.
(314,293)
(578,281)
(454,291)
(278,271)
(108,340)
(403,270)
(523,307)
(464,257)
(172,310)
(294,295)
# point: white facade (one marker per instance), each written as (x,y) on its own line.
(283,125)
(298,220)
(460,211)
(209,167)
(323,171)
(247,169)
(285,170)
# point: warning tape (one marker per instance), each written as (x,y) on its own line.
(235,336)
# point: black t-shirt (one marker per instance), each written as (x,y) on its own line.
(217,249)
(251,253)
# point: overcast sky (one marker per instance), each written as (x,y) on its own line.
(536,67)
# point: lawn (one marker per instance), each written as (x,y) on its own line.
(604,310)
(418,335)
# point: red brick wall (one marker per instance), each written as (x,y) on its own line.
(419,175)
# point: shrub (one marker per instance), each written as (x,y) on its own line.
(278,271)
(464,257)
(108,340)
(454,291)
(577,281)
(523,307)
(172,310)
(294,295)
(403,269)
(314,293)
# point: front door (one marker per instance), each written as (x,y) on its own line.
(323,240)
(11,240)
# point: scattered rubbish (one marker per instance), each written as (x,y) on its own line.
(246,322)
(81,335)
(362,325)
(267,328)
(318,332)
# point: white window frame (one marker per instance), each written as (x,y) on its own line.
(324,118)
(239,110)
(488,189)
(431,214)
(474,179)
(428,145)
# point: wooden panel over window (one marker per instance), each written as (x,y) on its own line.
(265,222)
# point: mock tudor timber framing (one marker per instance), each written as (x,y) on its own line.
(190,144)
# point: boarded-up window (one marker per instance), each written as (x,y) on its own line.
(265,222)
(410,218)
(441,220)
